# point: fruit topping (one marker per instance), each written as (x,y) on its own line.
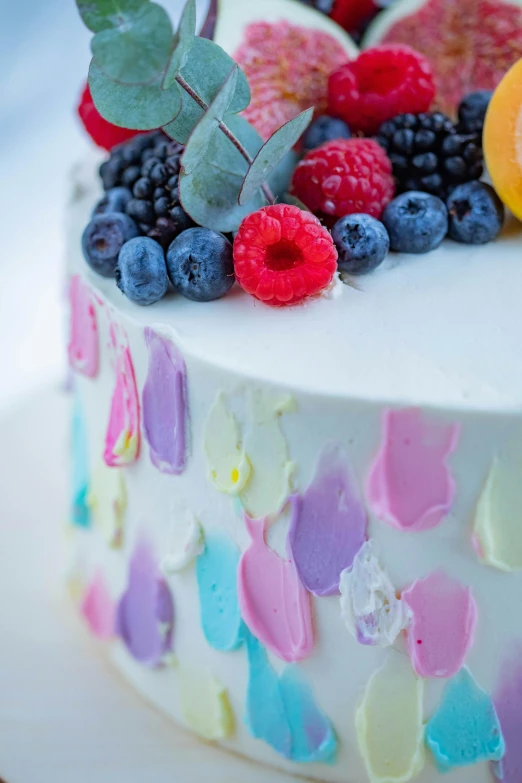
(345,177)
(472,111)
(470,44)
(103,239)
(476,214)
(282,255)
(362,243)
(427,153)
(200,264)
(325,129)
(416,222)
(141,273)
(381,83)
(288,64)
(503,140)
(103,133)
(149,166)
(114,200)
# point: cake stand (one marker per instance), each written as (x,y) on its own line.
(65,714)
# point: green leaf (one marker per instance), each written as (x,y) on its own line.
(272,153)
(210,193)
(100,15)
(137,50)
(204,72)
(140,107)
(202,134)
(289,198)
(185,38)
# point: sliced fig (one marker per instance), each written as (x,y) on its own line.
(470,44)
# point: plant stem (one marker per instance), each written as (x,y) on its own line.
(228,133)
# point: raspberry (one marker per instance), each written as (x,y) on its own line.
(351,14)
(345,177)
(381,83)
(283,255)
(103,133)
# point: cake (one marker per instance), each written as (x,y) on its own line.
(296,529)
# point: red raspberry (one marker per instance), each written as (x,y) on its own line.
(351,14)
(103,133)
(344,177)
(283,255)
(381,83)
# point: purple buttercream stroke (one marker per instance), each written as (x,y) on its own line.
(328,525)
(507,699)
(165,405)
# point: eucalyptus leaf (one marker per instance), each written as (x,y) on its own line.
(184,41)
(272,153)
(100,15)
(289,198)
(204,72)
(202,134)
(139,107)
(138,49)
(210,193)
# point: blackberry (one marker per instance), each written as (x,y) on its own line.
(429,154)
(472,111)
(148,165)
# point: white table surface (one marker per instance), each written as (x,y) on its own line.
(66,716)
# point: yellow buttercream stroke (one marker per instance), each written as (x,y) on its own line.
(389,723)
(107,500)
(205,704)
(498,519)
(228,466)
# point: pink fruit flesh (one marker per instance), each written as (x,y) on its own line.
(470,43)
(287,67)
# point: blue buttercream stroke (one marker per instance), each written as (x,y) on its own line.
(81,515)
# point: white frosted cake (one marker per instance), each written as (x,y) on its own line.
(298,530)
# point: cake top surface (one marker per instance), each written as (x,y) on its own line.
(442,330)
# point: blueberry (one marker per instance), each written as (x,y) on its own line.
(416,222)
(325,129)
(200,264)
(362,243)
(103,239)
(476,213)
(472,110)
(115,200)
(141,273)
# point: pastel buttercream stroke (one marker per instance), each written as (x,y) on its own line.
(187,542)
(507,698)
(122,440)
(165,404)
(80,478)
(328,525)
(370,607)
(410,485)
(145,613)
(216,571)
(228,466)
(282,712)
(269,485)
(204,703)
(389,723)
(443,620)
(98,607)
(274,604)
(84,342)
(465,729)
(498,520)
(107,500)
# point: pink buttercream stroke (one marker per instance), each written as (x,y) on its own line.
(274,604)
(83,349)
(165,404)
(410,485)
(122,440)
(441,633)
(98,608)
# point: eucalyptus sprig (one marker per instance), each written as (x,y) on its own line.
(144,76)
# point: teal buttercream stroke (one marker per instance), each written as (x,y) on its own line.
(216,571)
(281,711)
(81,515)
(465,729)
